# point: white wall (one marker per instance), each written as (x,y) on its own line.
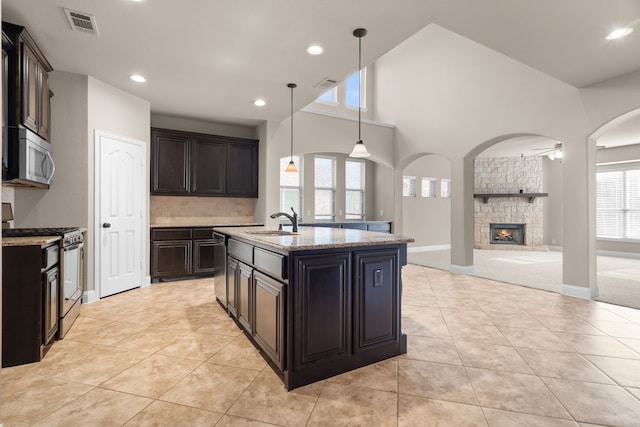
(191,125)
(427,220)
(553,205)
(116,112)
(451,96)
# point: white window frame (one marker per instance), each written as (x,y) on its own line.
(298,160)
(334,97)
(362,191)
(411,190)
(316,215)
(625,209)
(428,187)
(445,188)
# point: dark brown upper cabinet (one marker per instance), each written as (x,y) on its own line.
(29,97)
(187,163)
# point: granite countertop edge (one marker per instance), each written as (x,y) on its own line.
(195,225)
(315,238)
(29,241)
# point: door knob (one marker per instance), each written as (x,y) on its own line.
(106,225)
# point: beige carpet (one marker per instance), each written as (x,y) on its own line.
(618,278)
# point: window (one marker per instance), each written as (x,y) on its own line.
(618,204)
(355,186)
(445,188)
(329,97)
(409,186)
(291,186)
(351,98)
(325,186)
(428,187)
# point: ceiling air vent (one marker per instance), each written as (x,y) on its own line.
(326,83)
(81,21)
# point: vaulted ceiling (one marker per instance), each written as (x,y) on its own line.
(210,59)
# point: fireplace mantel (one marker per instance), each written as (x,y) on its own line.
(531,196)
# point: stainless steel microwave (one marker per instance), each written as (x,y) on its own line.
(30,161)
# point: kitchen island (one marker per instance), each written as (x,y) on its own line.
(318,302)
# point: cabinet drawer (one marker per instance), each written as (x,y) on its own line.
(270,262)
(171,234)
(240,250)
(203,233)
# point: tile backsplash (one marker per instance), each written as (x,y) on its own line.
(201,210)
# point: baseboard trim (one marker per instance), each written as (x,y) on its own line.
(89,296)
(146,281)
(579,291)
(619,254)
(462,269)
(428,248)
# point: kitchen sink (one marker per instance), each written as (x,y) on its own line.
(271,233)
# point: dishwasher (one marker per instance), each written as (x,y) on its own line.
(220,263)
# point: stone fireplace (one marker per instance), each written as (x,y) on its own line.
(511,214)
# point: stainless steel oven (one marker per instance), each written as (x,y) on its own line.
(72,263)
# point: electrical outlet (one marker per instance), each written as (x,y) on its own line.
(308,212)
(165,214)
(553,241)
(235,213)
(340,212)
(381,212)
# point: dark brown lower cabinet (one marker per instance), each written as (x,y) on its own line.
(178,252)
(232,285)
(171,259)
(268,325)
(244,288)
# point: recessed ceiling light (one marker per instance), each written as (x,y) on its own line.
(259,103)
(619,33)
(138,78)
(314,50)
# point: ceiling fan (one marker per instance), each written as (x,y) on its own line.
(552,153)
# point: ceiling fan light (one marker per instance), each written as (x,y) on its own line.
(551,156)
(359,150)
(559,154)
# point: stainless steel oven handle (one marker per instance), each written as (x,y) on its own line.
(73,247)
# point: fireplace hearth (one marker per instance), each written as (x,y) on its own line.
(507,234)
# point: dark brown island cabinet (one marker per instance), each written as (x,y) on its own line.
(195,164)
(182,252)
(317,310)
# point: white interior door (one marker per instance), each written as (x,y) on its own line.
(119,219)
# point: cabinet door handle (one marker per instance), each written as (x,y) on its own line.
(106,225)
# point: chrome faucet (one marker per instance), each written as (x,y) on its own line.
(293,219)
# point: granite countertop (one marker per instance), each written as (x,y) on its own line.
(199,224)
(29,241)
(313,238)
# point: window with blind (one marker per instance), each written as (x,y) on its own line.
(409,186)
(618,204)
(291,186)
(325,187)
(355,188)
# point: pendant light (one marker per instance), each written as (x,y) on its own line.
(291,167)
(359,150)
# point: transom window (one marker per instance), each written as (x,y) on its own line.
(428,187)
(325,187)
(355,189)
(351,98)
(618,204)
(291,186)
(409,186)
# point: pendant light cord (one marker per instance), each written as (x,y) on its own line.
(359,87)
(291,86)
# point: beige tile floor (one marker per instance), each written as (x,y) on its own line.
(480,353)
